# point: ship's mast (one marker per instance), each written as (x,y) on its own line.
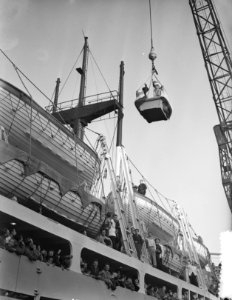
(120,113)
(80,115)
(78,127)
(56,95)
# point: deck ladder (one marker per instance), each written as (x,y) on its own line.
(118,203)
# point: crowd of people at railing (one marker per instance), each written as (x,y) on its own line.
(111,277)
(215,282)
(20,245)
(110,235)
(161,293)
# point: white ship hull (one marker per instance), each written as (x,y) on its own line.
(19,275)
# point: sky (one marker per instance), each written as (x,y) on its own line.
(179,157)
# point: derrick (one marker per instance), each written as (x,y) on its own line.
(218,65)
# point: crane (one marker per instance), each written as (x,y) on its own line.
(218,65)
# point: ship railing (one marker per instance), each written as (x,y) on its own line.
(91,99)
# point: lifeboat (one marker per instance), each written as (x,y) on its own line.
(154,108)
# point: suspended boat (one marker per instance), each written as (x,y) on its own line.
(154,108)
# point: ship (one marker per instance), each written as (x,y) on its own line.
(54,204)
(48,185)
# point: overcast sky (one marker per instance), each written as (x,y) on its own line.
(179,157)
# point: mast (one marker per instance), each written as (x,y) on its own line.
(78,128)
(120,113)
(56,95)
(123,178)
(80,115)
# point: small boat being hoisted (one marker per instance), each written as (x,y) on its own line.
(153,107)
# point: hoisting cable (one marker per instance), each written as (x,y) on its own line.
(151,24)
(152,55)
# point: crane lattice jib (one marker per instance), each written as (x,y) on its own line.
(216,56)
(219,70)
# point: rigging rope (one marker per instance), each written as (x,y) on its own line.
(157,192)
(113,137)
(101,73)
(71,71)
(88,141)
(18,71)
(95,132)
(148,189)
(108,118)
(95,82)
(26,76)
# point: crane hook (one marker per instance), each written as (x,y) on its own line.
(152,55)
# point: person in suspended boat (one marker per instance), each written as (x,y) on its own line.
(158,88)
(145,89)
(158,92)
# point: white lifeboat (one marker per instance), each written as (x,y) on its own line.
(154,108)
